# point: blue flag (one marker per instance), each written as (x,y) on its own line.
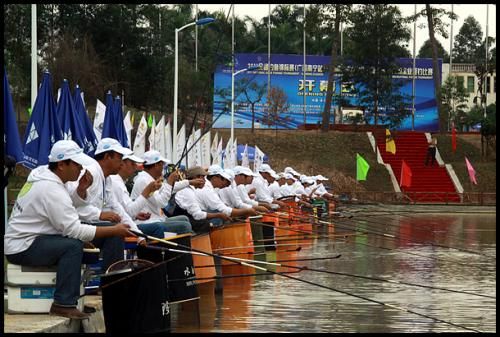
(12,142)
(68,118)
(108,126)
(43,128)
(89,138)
(120,127)
(113,121)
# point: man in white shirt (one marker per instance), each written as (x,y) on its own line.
(209,199)
(261,184)
(187,204)
(153,170)
(44,227)
(134,207)
(100,208)
(243,177)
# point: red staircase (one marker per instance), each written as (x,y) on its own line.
(429,183)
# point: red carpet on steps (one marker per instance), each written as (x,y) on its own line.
(429,183)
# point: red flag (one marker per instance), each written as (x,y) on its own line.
(453,138)
(405,175)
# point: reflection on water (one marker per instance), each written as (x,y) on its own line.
(435,250)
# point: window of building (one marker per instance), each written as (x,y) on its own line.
(470,84)
(495,84)
(488,89)
(460,81)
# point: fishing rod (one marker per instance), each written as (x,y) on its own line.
(345,274)
(242,262)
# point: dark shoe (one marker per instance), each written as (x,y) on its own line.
(68,312)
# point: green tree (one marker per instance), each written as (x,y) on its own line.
(341,14)
(372,65)
(467,41)
(426,51)
(436,25)
(454,101)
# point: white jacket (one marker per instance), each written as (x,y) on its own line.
(159,199)
(133,207)
(43,206)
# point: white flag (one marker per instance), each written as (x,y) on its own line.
(181,141)
(244,157)
(168,142)
(234,153)
(217,160)
(205,149)
(127,123)
(190,151)
(140,137)
(197,147)
(160,136)
(100,111)
(259,159)
(213,148)
(152,136)
(227,159)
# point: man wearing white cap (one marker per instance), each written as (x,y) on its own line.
(261,185)
(187,204)
(100,207)
(209,199)
(153,170)
(134,207)
(44,227)
(321,190)
(231,197)
(243,177)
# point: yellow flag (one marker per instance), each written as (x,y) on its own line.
(390,145)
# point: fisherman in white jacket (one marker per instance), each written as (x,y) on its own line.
(100,207)
(44,228)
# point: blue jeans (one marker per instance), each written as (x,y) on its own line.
(111,247)
(178,224)
(66,253)
(216,222)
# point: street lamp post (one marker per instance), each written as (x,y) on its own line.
(199,22)
(232,97)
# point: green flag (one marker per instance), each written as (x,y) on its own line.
(150,120)
(362,168)
(29,112)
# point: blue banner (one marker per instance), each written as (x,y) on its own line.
(12,142)
(43,128)
(287,74)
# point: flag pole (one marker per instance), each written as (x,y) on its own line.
(33,55)
(486,65)
(413,72)
(304,69)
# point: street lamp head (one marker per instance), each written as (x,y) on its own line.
(204,21)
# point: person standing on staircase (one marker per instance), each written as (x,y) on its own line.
(431,151)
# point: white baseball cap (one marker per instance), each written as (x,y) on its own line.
(216,170)
(134,158)
(243,170)
(289,176)
(265,168)
(110,144)
(68,149)
(320,177)
(152,157)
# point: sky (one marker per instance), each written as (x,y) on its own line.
(462,10)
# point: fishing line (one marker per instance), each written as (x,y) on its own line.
(241,261)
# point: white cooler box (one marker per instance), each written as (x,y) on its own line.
(31,289)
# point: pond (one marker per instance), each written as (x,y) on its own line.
(445,265)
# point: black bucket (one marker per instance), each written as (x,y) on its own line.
(135,298)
